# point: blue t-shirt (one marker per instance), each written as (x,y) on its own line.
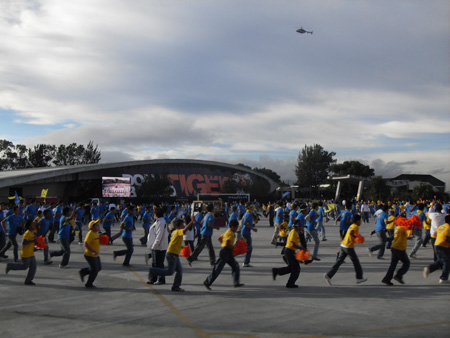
(248,217)
(232,217)
(312,219)
(44,224)
(301,219)
(346,218)
(95,213)
(107,221)
(279,215)
(58,213)
(206,230)
(198,221)
(30,211)
(146,220)
(292,217)
(321,213)
(64,228)
(381,221)
(129,223)
(80,214)
(13,223)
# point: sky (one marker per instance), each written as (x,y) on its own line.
(232,81)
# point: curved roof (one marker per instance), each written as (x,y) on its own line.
(24,176)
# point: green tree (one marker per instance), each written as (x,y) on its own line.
(91,154)
(269,173)
(313,167)
(424,191)
(378,189)
(354,168)
(41,155)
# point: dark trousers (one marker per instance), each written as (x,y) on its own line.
(248,255)
(54,228)
(427,237)
(11,242)
(293,267)
(191,245)
(113,238)
(108,232)
(433,240)
(340,259)
(381,243)
(158,257)
(128,252)
(271,221)
(79,227)
(95,265)
(397,255)
(2,239)
(342,233)
(65,251)
(143,239)
(225,257)
(27,263)
(443,261)
(390,238)
(206,240)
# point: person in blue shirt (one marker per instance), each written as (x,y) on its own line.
(14,222)
(31,210)
(320,225)
(2,231)
(79,222)
(206,232)
(380,230)
(108,221)
(146,219)
(57,213)
(311,223)
(247,227)
(345,220)
(44,225)
(279,215)
(293,215)
(233,214)
(65,228)
(241,208)
(198,219)
(127,227)
(95,211)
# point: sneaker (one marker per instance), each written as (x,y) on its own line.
(426,272)
(63,266)
(324,240)
(388,283)
(90,286)
(369,252)
(399,279)
(291,286)
(114,255)
(4,256)
(413,256)
(81,276)
(177,289)
(362,280)
(207,286)
(314,258)
(29,283)
(327,279)
(159,283)
(150,282)
(7,269)
(381,258)
(48,262)
(246,265)
(80,243)
(146,258)
(274,274)
(444,281)
(238,285)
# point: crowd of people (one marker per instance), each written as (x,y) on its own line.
(167,227)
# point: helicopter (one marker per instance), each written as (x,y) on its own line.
(302,31)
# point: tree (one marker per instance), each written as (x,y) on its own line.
(91,155)
(313,166)
(269,173)
(354,168)
(41,155)
(378,189)
(424,191)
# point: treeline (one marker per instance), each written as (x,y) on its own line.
(19,156)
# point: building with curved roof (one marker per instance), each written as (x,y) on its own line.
(188,177)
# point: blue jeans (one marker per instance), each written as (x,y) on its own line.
(206,240)
(381,243)
(341,257)
(174,265)
(11,242)
(418,239)
(29,262)
(65,251)
(158,257)
(248,255)
(443,261)
(316,239)
(128,252)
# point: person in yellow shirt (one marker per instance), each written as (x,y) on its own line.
(92,254)
(442,247)
(293,265)
(348,249)
(27,254)
(390,228)
(172,255)
(226,257)
(398,250)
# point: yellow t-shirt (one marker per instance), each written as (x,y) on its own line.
(390,223)
(176,241)
(400,238)
(228,236)
(441,235)
(93,240)
(28,249)
(349,241)
(427,224)
(293,237)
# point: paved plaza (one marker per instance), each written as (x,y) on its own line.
(125,306)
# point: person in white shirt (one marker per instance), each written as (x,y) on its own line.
(158,242)
(437,218)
